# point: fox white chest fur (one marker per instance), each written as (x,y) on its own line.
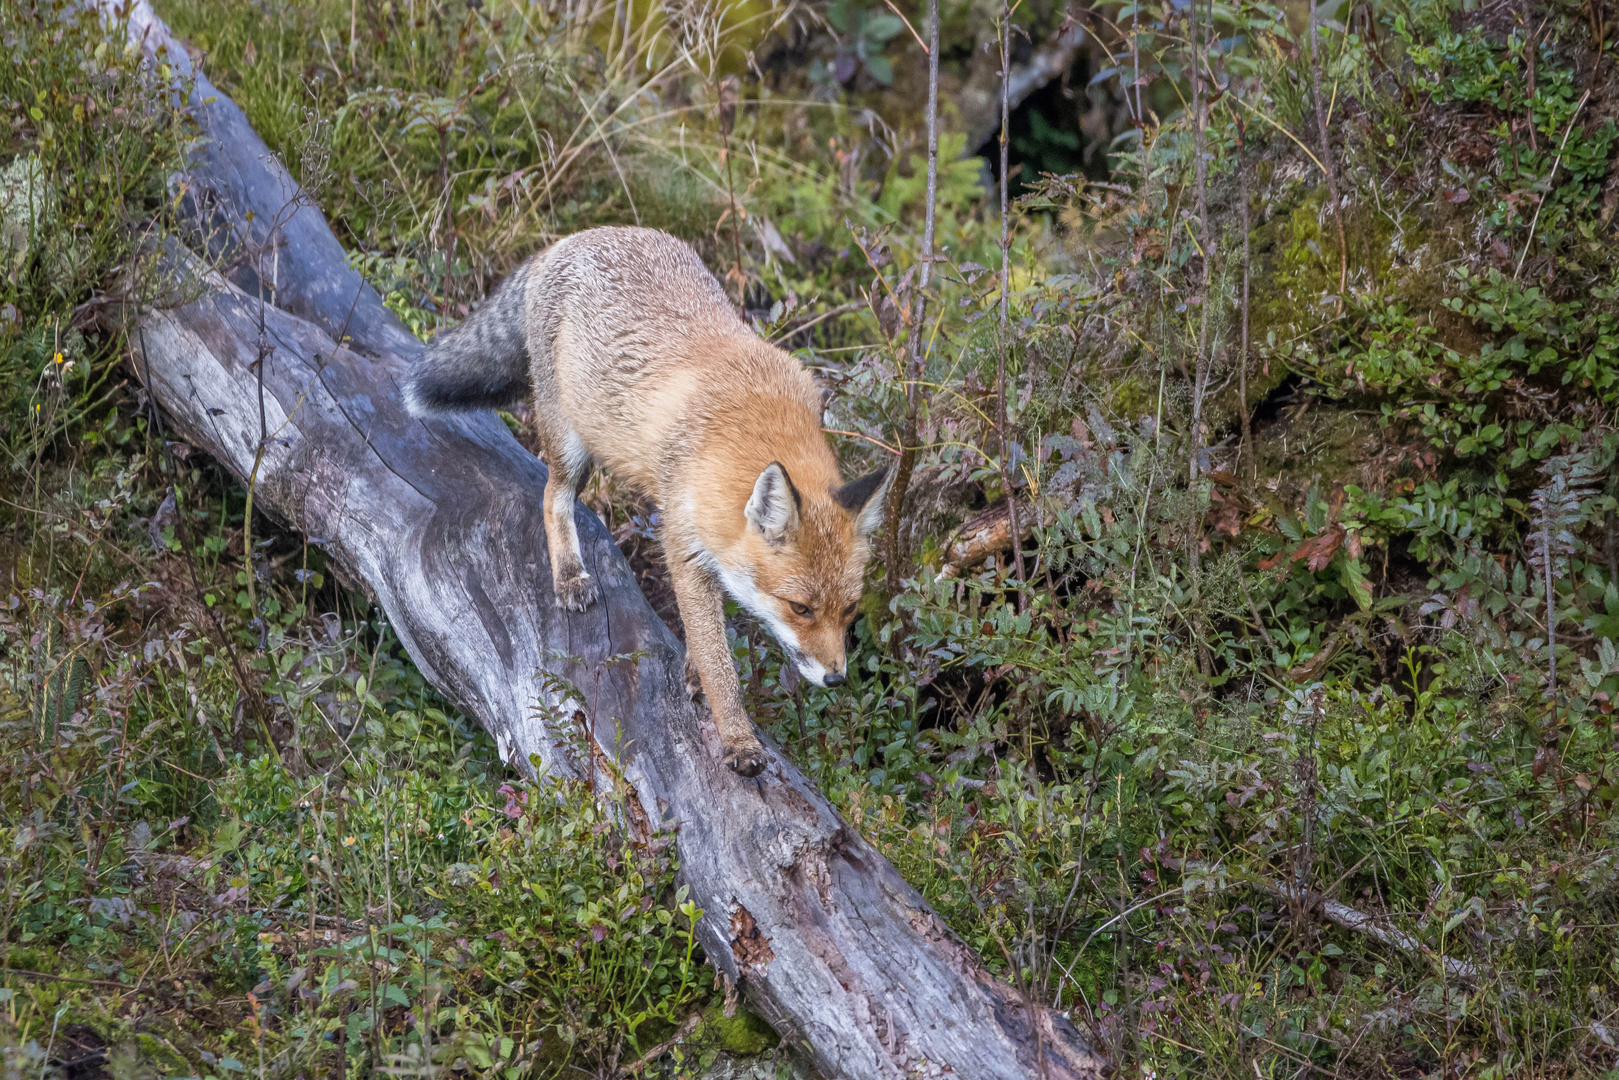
(637,362)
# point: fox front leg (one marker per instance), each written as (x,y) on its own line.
(702,613)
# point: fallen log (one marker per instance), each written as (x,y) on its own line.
(440,521)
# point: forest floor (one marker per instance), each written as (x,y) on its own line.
(1280,742)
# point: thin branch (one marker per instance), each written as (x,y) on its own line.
(795,328)
(1558,160)
(927,51)
(1201,363)
(1006,289)
(916,361)
(728,96)
(1245,450)
(1327,164)
(686,1028)
(864,438)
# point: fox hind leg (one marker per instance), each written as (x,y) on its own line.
(569,464)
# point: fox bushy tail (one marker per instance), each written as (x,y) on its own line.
(480,364)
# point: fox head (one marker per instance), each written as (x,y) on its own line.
(805,556)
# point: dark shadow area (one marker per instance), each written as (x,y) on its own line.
(1268,410)
(1046,134)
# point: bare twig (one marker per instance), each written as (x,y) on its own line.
(862,437)
(925,49)
(729,94)
(1546,530)
(1201,363)
(1337,913)
(1558,160)
(686,1028)
(1304,771)
(1245,450)
(1327,164)
(914,363)
(1242,581)
(1006,287)
(794,328)
(25,973)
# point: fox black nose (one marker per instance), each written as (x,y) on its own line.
(834,679)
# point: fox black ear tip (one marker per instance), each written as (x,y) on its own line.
(857,493)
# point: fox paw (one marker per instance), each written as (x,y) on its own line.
(694,682)
(748,759)
(576,593)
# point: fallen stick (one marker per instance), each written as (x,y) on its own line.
(1338,913)
(988,533)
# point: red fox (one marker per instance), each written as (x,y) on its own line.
(638,362)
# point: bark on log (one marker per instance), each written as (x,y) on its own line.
(441,522)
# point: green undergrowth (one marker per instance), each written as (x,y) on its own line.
(1338,615)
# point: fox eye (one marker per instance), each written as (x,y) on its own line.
(850,609)
(799,609)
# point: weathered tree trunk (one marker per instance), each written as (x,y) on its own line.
(441,522)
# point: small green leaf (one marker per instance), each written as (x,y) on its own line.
(1353,577)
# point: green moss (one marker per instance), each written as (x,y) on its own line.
(1134,395)
(154,1051)
(1302,266)
(744,1034)
(1393,255)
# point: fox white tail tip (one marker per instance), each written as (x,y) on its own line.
(413,401)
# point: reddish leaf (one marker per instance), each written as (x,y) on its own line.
(1318,551)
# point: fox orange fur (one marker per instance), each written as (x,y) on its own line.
(638,362)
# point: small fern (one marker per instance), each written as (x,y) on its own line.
(1572,481)
(58,696)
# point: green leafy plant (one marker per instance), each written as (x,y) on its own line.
(863,34)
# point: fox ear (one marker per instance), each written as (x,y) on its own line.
(773,506)
(864,499)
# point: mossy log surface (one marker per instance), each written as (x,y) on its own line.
(440,521)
